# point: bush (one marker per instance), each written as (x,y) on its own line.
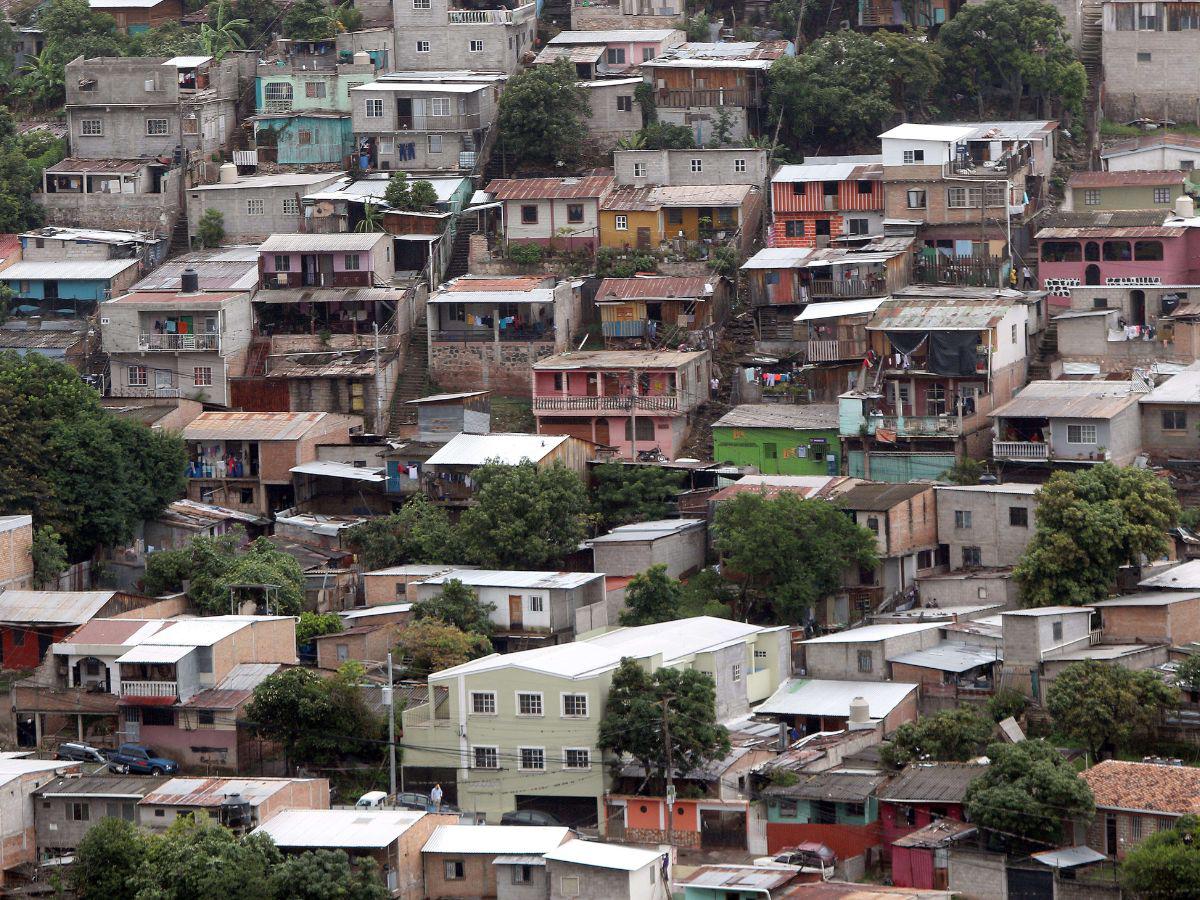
(1006,703)
(525,254)
(211,229)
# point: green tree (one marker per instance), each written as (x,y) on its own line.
(308,20)
(49,557)
(70,28)
(262,19)
(524,517)
(624,494)
(634,713)
(698,28)
(722,127)
(459,606)
(1001,51)
(1089,524)
(22,161)
(707,594)
(965,472)
(107,858)
(397,193)
(419,532)
(1187,676)
(43,80)
(312,625)
(168,39)
(1029,790)
(665,136)
(541,115)
(1104,705)
(322,874)
(652,596)
(423,195)
(1166,864)
(1006,703)
(222,32)
(200,860)
(431,645)
(949,736)
(211,228)
(787,553)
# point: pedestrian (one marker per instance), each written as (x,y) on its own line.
(1027,282)
(436,796)
(713,387)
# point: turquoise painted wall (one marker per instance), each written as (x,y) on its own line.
(337,90)
(778,451)
(332,140)
(805,813)
(899,468)
(67,290)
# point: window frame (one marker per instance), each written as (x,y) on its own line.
(439,107)
(454,870)
(522,767)
(865,661)
(472,46)
(475,711)
(289,206)
(1178,418)
(1018,517)
(540,704)
(1081,431)
(256,206)
(697,165)
(83,128)
(138,376)
(962,519)
(423,47)
(566,713)
(373,108)
(490,752)
(166,127)
(913,157)
(621,223)
(202,376)
(526,209)
(575,214)
(566,764)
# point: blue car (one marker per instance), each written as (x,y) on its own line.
(142,760)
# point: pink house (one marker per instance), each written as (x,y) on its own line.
(1117,256)
(592,395)
(326,260)
(623,49)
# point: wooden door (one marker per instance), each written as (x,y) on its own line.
(514,612)
(643,238)
(602,435)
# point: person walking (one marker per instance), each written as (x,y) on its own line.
(714,387)
(436,796)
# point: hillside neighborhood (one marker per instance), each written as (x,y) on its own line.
(612,449)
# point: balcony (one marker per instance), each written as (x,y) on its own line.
(148,340)
(144,391)
(481,17)
(685,98)
(1021,450)
(849,287)
(452,122)
(917,426)
(152,689)
(832,351)
(622,403)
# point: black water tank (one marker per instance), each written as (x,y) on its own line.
(191,281)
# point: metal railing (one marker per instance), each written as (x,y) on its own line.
(684,97)
(664,403)
(1020,450)
(149,340)
(149,689)
(917,426)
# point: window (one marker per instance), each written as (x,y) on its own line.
(453,869)
(647,54)
(575,212)
(739,166)
(483,703)
(1143,57)
(1174,420)
(865,663)
(1091,197)
(1018,516)
(435,143)
(697,165)
(972,556)
(283,262)
(935,400)
(1081,434)
(522,874)
(202,376)
(422,46)
(246,495)
(873,524)
(864,187)
(822,226)
(155,127)
(439,106)
(351,261)
(422,4)
(290,207)
(91,127)
(537,604)
(256,207)
(621,223)
(858,226)
(639,170)
(1162,195)
(735,672)
(487,757)
(278,92)
(624,103)
(529,703)
(616,55)
(577,758)
(924,559)
(916,199)
(568,885)
(314,90)
(962,198)
(1056,631)
(798,188)
(1147,251)
(793,228)
(206,718)
(645,429)
(137,376)
(529,215)
(962,518)
(158,715)
(914,156)
(760,654)
(80,812)
(575,706)
(115,810)
(475,47)
(1117,251)
(533,759)
(374,109)
(1061,251)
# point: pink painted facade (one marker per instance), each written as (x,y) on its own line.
(1106,256)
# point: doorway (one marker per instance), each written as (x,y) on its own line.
(404,114)
(1091,275)
(515,619)
(1137,307)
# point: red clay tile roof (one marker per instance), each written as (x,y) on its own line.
(550,188)
(1145,786)
(1125,179)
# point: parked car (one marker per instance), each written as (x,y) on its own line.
(808,855)
(141,760)
(80,752)
(372,800)
(529,817)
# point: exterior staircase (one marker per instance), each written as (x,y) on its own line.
(256,358)
(1091,27)
(460,251)
(411,383)
(179,235)
(1047,349)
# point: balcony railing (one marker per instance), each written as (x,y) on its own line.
(147,391)
(666,403)
(149,689)
(481,16)
(153,341)
(917,426)
(1020,450)
(849,287)
(683,98)
(829,351)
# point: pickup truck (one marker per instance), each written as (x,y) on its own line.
(141,760)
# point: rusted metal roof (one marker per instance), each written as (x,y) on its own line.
(39,339)
(213,791)
(1151,141)
(1159,231)
(516,283)
(1125,179)
(1069,400)
(630,199)
(550,188)
(654,287)
(78,165)
(251,426)
(938,315)
(322,243)
(334,364)
(579,53)
(810,416)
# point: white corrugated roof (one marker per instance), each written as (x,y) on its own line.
(279,180)
(331,469)
(67,269)
(416,87)
(778,258)
(52,607)
(505,578)
(187,62)
(1182,577)
(390,609)
(820,172)
(832,309)
(154,653)
(872,633)
(1183,387)
(615,36)
(818,697)
(509,449)
(910,131)
(646,531)
(496,839)
(321,243)
(604,856)
(202,632)
(1150,598)
(347,828)
(949,657)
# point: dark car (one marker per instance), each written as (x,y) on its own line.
(529,817)
(808,855)
(141,760)
(79,752)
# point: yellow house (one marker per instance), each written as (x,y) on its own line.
(646,217)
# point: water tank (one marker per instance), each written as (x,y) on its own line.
(860,711)
(362,58)
(1184,207)
(190,281)
(228,173)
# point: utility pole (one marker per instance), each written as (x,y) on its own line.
(633,399)
(390,699)
(666,705)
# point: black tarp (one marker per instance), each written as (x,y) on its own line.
(952,352)
(906,341)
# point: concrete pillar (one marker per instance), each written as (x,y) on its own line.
(37,729)
(79,726)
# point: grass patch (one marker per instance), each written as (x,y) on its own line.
(513,414)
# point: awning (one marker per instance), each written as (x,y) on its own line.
(851,259)
(837,308)
(156,653)
(513,859)
(341,470)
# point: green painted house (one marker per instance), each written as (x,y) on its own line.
(1101,191)
(780,439)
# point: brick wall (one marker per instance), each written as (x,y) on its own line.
(16,561)
(479,877)
(502,368)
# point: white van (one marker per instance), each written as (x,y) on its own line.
(371,800)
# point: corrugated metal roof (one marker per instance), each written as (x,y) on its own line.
(251,426)
(473,284)
(332,469)
(834,309)
(1185,576)
(1151,141)
(872,633)
(212,791)
(614,36)
(1069,857)
(854,168)
(938,315)
(604,856)
(1127,179)
(727,54)
(519,859)
(810,416)
(537,295)
(630,199)
(174,298)
(1104,231)
(202,632)
(836,787)
(155,653)
(733,877)
(330,295)
(578,53)
(110,786)
(39,339)
(417,87)
(1069,400)
(278,180)
(495,839)
(778,258)
(647,531)
(949,657)
(1152,598)
(186,62)
(446,398)
(67,269)
(654,287)
(1183,387)
(515,579)
(620,359)
(322,243)
(878,497)
(938,833)
(224,269)
(509,449)
(52,607)
(773,485)
(942,782)
(813,697)
(688,195)
(353,615)
(911,131)
(78,165)
(550,188)
(334,364)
